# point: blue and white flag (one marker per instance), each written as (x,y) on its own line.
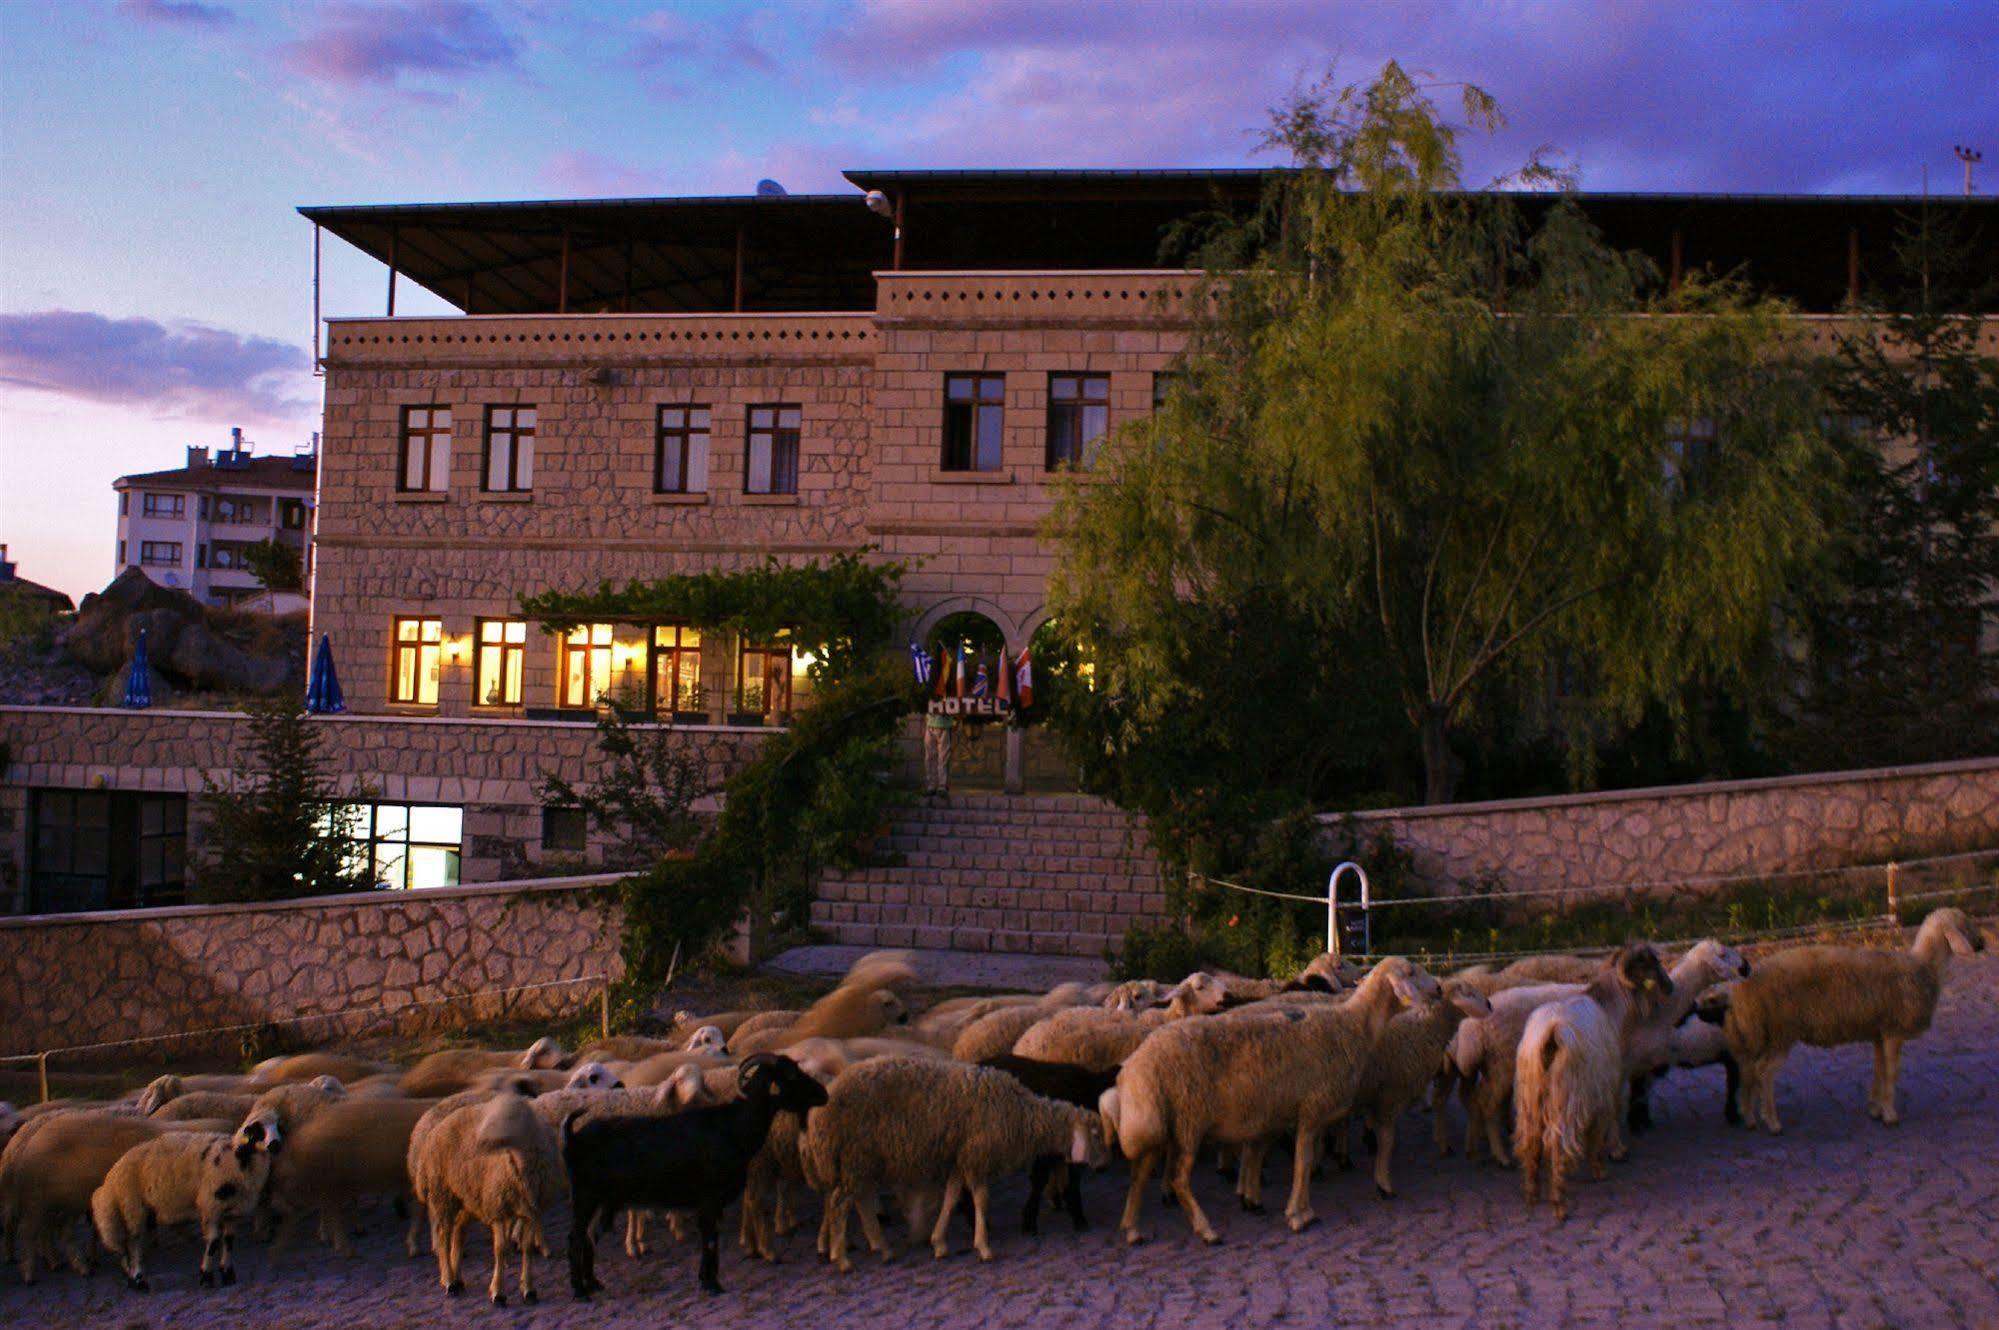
(922,662)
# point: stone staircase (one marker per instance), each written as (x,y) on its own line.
(1046,874)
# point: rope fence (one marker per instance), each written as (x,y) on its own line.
(1891,869)
(41,1058)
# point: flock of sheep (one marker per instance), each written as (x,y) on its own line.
(862,1102)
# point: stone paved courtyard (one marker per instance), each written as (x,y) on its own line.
(1840,1222)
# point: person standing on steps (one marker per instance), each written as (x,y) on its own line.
(937,736)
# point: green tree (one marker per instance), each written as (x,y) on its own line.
(280,827)
(275,564)
(1896,667)
(645,798)
(1427,442)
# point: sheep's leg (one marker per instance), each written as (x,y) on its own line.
(1767,1080)
(1249,1176)
(750,1220)
(785,1217)
(940,1241)
(228,1252)
(1072,1197)
(1558,1182)
(1299,1210)
(635,1231)
(1747,1091)
(709,1220)
(460,1221)
(834,1223)
(496,1289)
(1180,1182)
(1141,1173)
(1610,1134)
(980,1194)
(582,1249)
(1341,1135)
(412,1244)
(1874,1086)
(1530,1167)
(1731,1109)
(531,1241)
(1037,1183)
(1440,1116)
(864,1204)
(440,1244)
(1891,1073)
(1384,1150)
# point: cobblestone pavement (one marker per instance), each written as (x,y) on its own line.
(1839,1222)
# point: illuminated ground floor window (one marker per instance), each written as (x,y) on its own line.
(408,847)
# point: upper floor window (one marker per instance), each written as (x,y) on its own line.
(425,463)
(164,505)
(974,416)
(676,668)
(509,449)
(124,504)
(1079,412)
(160,553)
(585,667)
(291,514)
(771,462)
(419,646)
(496,673)
(680,451)
(1690,446)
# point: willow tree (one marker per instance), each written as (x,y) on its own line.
(1452,436)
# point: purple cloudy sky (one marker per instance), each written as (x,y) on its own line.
(155,283)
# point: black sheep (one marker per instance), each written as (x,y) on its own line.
(695,1160)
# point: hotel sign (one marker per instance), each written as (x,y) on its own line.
(972,708)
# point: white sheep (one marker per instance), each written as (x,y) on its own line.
(495,1162)
(1826,996)
(1099,1038)
(1569,1077)
(1292,1071)
(211,1180)
(342,1067)
(921,1125)
(1404,1064)
(450,1070)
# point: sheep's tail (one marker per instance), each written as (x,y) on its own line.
(109,1221)
(1140,1121)
(1547,1094)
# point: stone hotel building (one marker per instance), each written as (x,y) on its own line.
(636,387)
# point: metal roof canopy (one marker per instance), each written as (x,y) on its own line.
(818,252)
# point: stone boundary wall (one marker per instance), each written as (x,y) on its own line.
(77,979)
(1741,828)
(492,768)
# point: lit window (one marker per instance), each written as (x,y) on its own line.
(419,646)
(502,646)
(676,669)
(585,667)
(406,847)
(763,680)
(509,449)
(425,464)
(974,418)
(1079,412)
(680,451)
(771,465)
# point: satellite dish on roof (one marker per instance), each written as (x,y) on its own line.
(769,189)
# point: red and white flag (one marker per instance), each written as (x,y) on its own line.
(1005,680)
(1023,679)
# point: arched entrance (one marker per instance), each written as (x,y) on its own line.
(970,650)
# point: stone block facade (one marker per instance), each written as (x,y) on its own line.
(492,768)
(336,967)
(869,386)
(1693,833)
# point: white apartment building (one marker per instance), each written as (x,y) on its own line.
(190,528)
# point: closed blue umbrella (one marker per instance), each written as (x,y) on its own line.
(322,688)
(139,679)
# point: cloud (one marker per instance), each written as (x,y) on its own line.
(185,13)
(580,173)
(1642,95)
(181,368)
(381,45)
(666,49)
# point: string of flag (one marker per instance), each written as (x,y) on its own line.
(966,674)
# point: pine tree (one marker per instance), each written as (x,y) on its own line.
(280,828)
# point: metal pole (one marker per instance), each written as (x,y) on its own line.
(318,360)
(738,303)
(1894,900)
(395,234)
(42,1063)
(604,1010)
(1333,908)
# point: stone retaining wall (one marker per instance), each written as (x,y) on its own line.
(1721,829)
(77,979)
